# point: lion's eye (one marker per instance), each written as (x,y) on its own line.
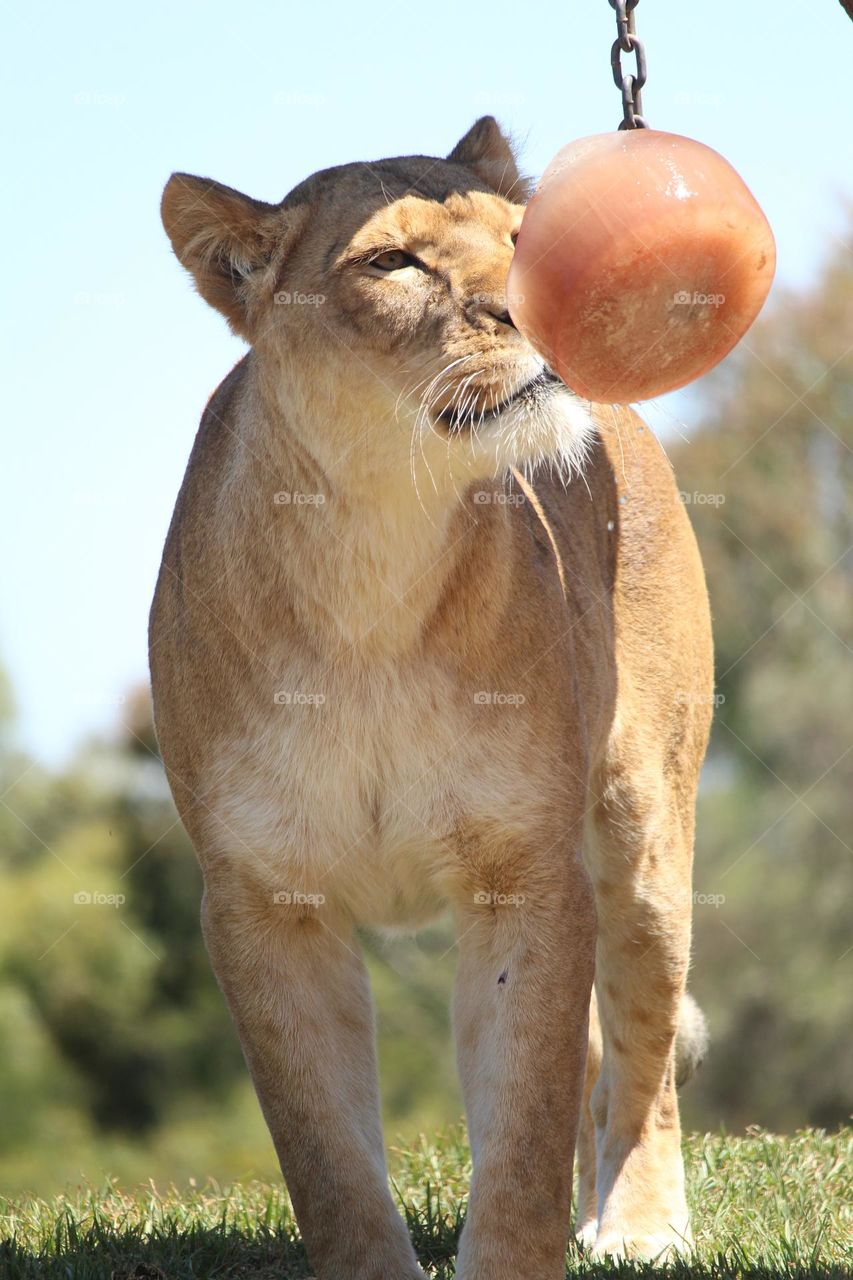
(393,260)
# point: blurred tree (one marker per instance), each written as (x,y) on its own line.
(104,938)
(768,481)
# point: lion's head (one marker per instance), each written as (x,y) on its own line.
(374,297)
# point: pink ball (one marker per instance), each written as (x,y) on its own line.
(642,259)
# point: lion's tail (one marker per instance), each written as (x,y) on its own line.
(691,1042)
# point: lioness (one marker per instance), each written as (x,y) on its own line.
(429,631)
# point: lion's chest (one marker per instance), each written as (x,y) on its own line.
(356,787)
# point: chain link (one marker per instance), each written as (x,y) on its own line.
(627,41)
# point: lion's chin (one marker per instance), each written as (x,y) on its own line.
(546,426)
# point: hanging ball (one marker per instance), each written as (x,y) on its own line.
(641,260)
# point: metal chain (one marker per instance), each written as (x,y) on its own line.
(627,41)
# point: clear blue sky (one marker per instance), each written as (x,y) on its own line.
(110,356)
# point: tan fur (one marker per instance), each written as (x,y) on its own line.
(403,660)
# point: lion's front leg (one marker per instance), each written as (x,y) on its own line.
(521,1010)
(299,995)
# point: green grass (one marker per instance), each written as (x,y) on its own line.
(763,1206)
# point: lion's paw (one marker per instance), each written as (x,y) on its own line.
(655,1246)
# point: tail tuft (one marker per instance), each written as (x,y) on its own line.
(691,1043)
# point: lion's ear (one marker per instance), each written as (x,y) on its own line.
(487,152)
(230,244)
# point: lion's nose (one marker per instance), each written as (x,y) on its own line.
(504,317)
